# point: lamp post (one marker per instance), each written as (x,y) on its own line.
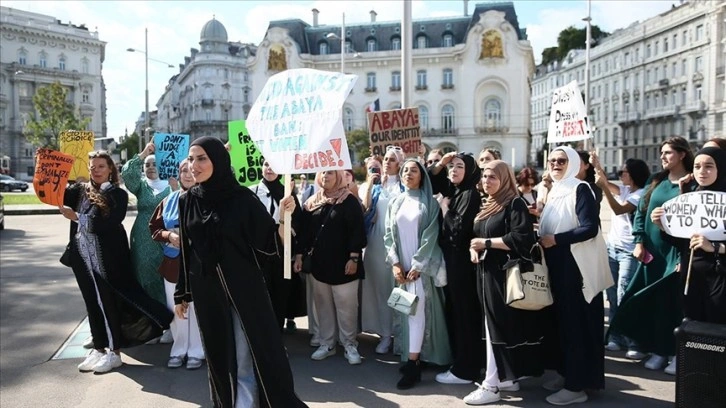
(147,125)
(343,48)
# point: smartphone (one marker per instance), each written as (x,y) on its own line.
(375,170)
(647,257)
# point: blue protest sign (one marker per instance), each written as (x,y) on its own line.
(170,150)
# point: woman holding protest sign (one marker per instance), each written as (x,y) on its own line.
(120,313)
(164,228)
(227,239)
(460,204)
(379,189)
(142,180)
(411,242)
(648,313)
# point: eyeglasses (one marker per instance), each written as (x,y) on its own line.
(430,162)
(560,162)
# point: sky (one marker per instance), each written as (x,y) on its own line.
(174,28)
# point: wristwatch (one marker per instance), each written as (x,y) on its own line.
(488,244)
(355,259)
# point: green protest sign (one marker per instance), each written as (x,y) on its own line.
(246,157)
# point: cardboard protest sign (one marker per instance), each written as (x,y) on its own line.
(169,150)
(702,212)
(246,157)
(77,143)
(398,127)
(568,119)
(296,121)
(52,169)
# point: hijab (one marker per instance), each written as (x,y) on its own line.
(221,184)
(560,213)
(275,188)
(158,185)
(507,192)
(719,156)
(472,172)
(569,180)
(336,195)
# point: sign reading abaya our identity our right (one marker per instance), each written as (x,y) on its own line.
(296,121)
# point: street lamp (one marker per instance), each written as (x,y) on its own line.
(343,49)
(147,125)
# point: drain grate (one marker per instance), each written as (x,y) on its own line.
(73,347)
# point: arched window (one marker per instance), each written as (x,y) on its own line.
(423,117)
(323,48)
(448,40)
(422,41)
(493,114)
(395,43)
(43,60)
(447,118)
(348,119)
(22,57)
(86,96)
(371,45)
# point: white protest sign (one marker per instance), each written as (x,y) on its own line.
(568,118)
(699,212)
(296,121)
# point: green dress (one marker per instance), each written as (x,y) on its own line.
(146,254)
(650,309)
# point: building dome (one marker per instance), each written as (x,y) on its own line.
(213,30)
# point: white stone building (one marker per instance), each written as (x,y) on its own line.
(652,80)
(471,81)
(211,88)
(37,50)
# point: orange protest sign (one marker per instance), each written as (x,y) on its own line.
(52,169)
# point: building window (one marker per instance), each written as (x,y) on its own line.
(371,81)
(699,32)
(207,115)
(448,40)
(395,43)
(683,95)
(647,51)
(674,69)
(448,78)
(665,45)
(675,40)
(657,48)
(674,97)
(396,80)
(84,65)
(683,38)
(348,119)
(698,92)
(423,117)
(421,79)
(43,61)
(657,75)
(62,63)
(372,45)
(85,96)
(323,48)
(422,41)
(493,114)
(447,118)
(22,57)
(23,90)
(246,96)
(348,47)
(683,67)
(698,67)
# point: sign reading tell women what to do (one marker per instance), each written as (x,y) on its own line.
(699,212)
(296,121)
(568,119)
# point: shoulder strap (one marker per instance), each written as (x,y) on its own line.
(322,225)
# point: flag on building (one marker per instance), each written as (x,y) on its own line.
(375,106)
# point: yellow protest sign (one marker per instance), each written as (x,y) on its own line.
(77,143)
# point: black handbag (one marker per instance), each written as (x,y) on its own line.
(65,259)
(307,263)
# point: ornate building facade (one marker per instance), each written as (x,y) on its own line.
(211,88)
(470,74)
(35,51)
(652,80)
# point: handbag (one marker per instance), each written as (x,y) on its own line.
(402,301)
(307,262)
(525,289)
(65,259)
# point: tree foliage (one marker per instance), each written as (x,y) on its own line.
(571,38)
(130,144)
(53,114)
(359,145)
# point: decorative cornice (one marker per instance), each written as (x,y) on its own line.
(52,35)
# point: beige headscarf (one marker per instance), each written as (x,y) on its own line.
(507,192)
(335,195)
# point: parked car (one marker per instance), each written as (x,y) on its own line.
(2,213)
(8,183)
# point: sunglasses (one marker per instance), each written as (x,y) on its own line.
(560,162)
(396,148)
(430,162)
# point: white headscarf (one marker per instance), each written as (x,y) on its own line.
(559,212)
(157,186)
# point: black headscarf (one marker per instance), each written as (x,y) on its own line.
(719,156)
(221,185)
(472,172)
(275,187)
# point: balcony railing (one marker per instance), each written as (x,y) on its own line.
(491,129)
(442,132)
(693,106)
(371,89)
(395,89)
(207,102)
(421,87)
(447,86)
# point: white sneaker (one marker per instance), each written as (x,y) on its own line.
(352,355)
(555,384)
(612,346)
(656,362)
(314,342)
(635,355)
(323,352)
(384,346)
(482,395)
(449,378)
(107,363)
(566,397)
(175,362)
(90,361)
(513,387)
(671,369)
(166,337)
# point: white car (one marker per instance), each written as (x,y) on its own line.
(8,183)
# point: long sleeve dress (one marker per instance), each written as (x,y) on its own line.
(579,323)
(146,254)
(516,335)
(649,310)
(120,313)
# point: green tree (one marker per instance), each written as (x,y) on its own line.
(130,144)
(359,145)
(571,38)
(53,114)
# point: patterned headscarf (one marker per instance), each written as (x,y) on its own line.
(335,195)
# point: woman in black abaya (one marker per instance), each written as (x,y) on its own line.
(228,239)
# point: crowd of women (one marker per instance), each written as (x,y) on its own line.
(205,259)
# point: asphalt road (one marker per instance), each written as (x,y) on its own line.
(40,306)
